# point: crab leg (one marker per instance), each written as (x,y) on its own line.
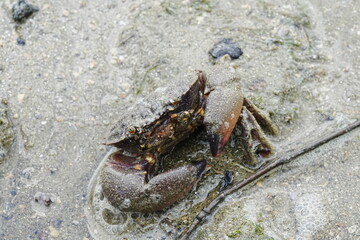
(128,189)
(253,139)
(261,117)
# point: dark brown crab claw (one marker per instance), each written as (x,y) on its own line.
(129,191)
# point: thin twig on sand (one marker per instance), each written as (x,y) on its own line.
(260,173)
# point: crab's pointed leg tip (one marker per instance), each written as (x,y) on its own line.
(201,167)
(217,144)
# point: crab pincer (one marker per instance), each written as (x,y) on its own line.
(128,190)
(225,108)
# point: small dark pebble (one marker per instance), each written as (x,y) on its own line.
(226,46)
(53,170)
(13,193)
(329,118)
(22,10)
(227,180)
(20,41)
(44,198)
(83,198)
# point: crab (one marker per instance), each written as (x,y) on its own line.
(130,179)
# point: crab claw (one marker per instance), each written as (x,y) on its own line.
(223,108)
(128,190)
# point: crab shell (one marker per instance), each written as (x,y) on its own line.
(153,127)
(148,110)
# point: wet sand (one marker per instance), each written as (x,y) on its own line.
(84,62)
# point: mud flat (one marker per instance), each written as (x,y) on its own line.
(84,62)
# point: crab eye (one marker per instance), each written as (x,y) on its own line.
(132,130)
(174,101)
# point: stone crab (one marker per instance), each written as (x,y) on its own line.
(130,179)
